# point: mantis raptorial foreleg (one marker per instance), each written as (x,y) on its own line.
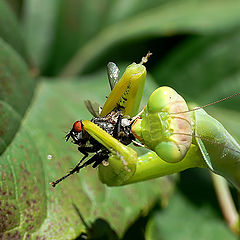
(210,144)
(126,167)
(178,138)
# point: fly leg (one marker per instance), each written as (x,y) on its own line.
(86,150)
(75,169)
(117,127)
(96,159)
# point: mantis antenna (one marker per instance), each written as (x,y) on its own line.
(209,104)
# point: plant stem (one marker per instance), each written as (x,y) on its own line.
(226,202)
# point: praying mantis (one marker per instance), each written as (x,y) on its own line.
(177,138)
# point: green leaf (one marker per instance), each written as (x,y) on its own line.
(16,6)
(231,123)
(16,92)
(184,220)
(83,20)
(10,30)
(203,17)
(39,26)
(39,155)
(205,69)
(122,9)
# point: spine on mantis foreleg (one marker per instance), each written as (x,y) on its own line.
(160,129)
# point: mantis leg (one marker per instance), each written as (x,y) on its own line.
(150,165)
(215,149)
(126,167)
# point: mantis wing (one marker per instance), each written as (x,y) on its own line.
(219,149)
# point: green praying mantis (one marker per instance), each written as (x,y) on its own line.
(177,138)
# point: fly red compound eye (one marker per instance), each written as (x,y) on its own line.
(77,126)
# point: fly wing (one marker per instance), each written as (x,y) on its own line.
(113,74)
(93,107)
(113,77)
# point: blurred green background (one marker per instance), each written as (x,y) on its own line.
(53,56)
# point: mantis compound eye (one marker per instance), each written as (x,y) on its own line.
(77,126)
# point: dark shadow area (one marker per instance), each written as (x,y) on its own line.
(98,230)
(196,185)
(135,49)
(235,197)
(137,229)
(101,229)
(17,7)
(131,51)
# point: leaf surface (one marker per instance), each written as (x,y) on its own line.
(39,27)
(39,154)
(206,69)
(10,29)
(184,220)
(203,17)
(15,95)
